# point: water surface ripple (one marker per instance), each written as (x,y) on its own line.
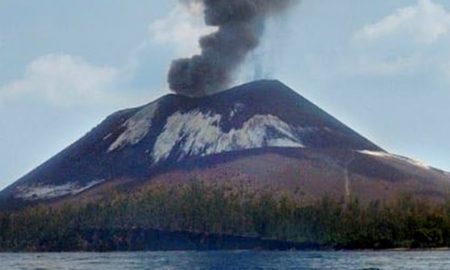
(227,260)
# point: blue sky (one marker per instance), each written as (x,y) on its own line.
(382,67)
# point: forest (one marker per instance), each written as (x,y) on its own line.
(123,220)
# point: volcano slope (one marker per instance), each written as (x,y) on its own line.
(262,135)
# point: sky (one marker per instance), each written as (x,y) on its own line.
(381,67)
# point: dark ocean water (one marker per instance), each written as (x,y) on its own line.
(227,260)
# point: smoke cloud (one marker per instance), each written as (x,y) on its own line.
(240,26)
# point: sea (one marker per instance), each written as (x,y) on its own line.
(367,260)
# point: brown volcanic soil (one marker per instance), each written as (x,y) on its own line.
(305,174)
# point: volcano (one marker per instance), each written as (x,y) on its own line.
(262,134)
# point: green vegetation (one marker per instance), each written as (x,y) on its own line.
(198,207)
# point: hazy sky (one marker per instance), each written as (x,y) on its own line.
(382,67)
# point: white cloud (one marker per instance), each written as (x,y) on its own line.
(61,80)
(182,28)
(410,41)
(425,22)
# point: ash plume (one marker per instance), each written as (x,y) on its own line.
(240,26)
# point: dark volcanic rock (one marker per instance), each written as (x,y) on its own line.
(177,131)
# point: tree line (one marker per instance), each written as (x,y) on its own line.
(199,207)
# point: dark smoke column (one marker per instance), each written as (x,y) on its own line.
(240,25)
